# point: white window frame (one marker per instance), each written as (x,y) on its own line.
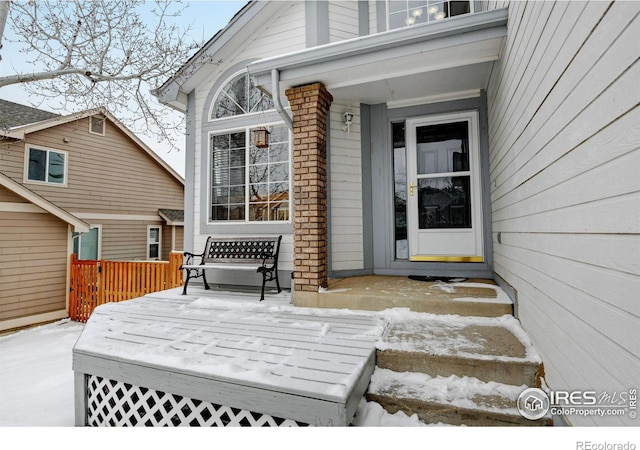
(388,13)
(104,125)
(248,136)
(210,117)
(149,242)
(28,148)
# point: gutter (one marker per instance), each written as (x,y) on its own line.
(275,81)
(382,41)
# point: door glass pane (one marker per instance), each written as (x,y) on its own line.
(442,148)
(85,245)
(400,190)
(444,202)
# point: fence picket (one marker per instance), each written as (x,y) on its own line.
(95,282)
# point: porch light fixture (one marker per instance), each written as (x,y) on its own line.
(347,121)
(261,137)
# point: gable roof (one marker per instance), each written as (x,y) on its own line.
(79,226)
(14,115)
(20,131)
(172,216)
(242,25)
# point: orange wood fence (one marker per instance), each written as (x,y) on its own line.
(94,283)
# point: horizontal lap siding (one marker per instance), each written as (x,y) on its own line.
(343,20)
(105,173)
(125,240)
(33,264)
(345,191)
(565,149)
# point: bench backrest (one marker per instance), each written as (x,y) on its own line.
(238,250)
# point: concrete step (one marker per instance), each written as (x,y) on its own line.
(449,400)
(474,297)
(489,349)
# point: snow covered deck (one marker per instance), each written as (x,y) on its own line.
(168,359)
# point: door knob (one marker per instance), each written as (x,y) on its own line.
(411,189)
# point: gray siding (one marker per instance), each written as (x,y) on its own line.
(564,151)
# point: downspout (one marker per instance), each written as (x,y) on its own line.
(275,80)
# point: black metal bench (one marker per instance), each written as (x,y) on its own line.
(260,253)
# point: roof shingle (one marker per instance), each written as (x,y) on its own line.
(14,115)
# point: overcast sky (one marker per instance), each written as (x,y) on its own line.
(206,18)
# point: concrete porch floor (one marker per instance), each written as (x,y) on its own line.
(473,297)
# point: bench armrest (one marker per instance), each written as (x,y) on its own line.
(189,257)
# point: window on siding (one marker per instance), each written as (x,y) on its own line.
(402,13)
(96,125)
(240,96)
(46,166)
(153,242)
(250,184)
(87,245)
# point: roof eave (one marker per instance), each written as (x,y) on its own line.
(174,91)
(79,226)
(375,43)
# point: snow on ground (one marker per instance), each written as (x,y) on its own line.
(36,381)
(36,391)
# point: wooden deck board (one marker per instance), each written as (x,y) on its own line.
(214,349)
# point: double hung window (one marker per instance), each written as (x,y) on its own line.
(153,242)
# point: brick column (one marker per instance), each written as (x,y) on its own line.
(310,107)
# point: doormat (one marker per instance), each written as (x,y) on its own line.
(442,279)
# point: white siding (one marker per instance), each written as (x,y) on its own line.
(373,21)
(564,127)
(283,33)
(345,191)
(343,20)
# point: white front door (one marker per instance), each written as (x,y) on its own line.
(444,196)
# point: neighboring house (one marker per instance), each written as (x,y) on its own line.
(83,184)
(499,143)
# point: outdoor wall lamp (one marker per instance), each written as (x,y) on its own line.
(347,121)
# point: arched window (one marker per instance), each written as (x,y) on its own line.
(240,95)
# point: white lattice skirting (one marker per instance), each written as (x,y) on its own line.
(114,403)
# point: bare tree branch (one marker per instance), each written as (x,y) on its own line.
(90,53)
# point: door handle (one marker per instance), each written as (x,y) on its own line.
(411,189)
